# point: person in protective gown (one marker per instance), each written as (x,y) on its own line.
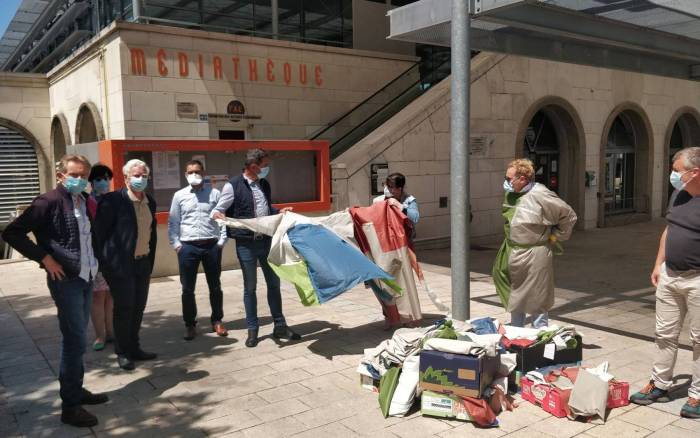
(536,220)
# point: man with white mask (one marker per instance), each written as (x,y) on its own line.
(535,220)
(197,238)
(676,276)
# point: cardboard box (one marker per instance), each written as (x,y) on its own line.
(458,374)
(532,358)
(368,383)
(554,400)
(443,405)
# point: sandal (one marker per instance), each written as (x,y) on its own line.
(98,346)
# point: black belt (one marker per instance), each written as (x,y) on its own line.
(202,243)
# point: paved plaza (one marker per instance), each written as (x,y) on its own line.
(216,386)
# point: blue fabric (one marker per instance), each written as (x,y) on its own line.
(484,326)
(334,265)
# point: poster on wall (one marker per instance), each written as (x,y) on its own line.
(166,170)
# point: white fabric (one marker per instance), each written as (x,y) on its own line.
(513,332)
(460,347)
(405,392)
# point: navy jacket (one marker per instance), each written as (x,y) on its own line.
(243,206)
(116,232)
(51,217)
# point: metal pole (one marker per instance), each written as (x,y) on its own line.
(275,19)
(459,160)
(136,10)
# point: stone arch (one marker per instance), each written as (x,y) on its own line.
(60,136)
(88,125)
(571,140)
(44,163)
(688,120)
(637,121)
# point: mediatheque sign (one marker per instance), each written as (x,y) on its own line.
(233,68)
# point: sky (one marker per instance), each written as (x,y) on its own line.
(7,11)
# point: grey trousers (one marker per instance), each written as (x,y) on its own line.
(677,296)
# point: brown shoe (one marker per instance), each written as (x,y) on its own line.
(219,329)
(190,333)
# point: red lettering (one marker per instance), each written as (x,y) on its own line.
(162,68)
(138,62)
(270,75)
(317,75)
(302,74)
(287,73)
(217,67)
(200,65)
(235,67)
(184,64)
(252,70)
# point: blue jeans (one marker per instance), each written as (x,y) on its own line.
(249,253)
(538,320)
(73,300)
(189,257)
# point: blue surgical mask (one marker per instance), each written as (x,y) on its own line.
(264,171)
(75,185)
(138,183)
(508,186)
(677,181)
(100,186)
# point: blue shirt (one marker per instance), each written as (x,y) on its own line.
(88,262)
(261,206)
(190,218)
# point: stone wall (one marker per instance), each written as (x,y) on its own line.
(506,92)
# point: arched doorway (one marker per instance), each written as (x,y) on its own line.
(60,137)
(551,135)
(88,126)
(626,168)
(684,131)
(19,172)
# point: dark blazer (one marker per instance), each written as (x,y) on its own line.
(51,218)
(243,206)
(116,232)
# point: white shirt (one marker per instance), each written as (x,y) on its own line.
(261,206)
(88,262)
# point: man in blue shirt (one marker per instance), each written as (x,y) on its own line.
(197,238)
(248,196)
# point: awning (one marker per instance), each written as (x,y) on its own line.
(660,37)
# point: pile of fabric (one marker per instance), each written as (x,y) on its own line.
(396,362)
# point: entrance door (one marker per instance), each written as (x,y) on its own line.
(231,135)
(620,168)
(19,172)
(541,146)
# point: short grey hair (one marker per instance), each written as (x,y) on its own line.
(255,156)
(690,157)
(135,163)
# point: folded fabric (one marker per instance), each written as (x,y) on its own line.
(405,342)
(589,396)
(387,386)
(405,392)
(484,326)
(460,347)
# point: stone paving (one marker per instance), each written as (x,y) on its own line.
(216,386)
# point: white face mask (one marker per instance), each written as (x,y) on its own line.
(387,192)
(194,179)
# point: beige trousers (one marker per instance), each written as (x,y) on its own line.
(677,295)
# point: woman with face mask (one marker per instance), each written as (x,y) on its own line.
(535,220)
(102,304)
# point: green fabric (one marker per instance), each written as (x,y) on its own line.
(446,331)
(387,387)
(298,274)
(500,271)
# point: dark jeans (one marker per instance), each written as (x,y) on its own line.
(249,253)
(189,258)
(73,300)
(130,295)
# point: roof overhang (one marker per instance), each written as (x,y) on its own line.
(660,37)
